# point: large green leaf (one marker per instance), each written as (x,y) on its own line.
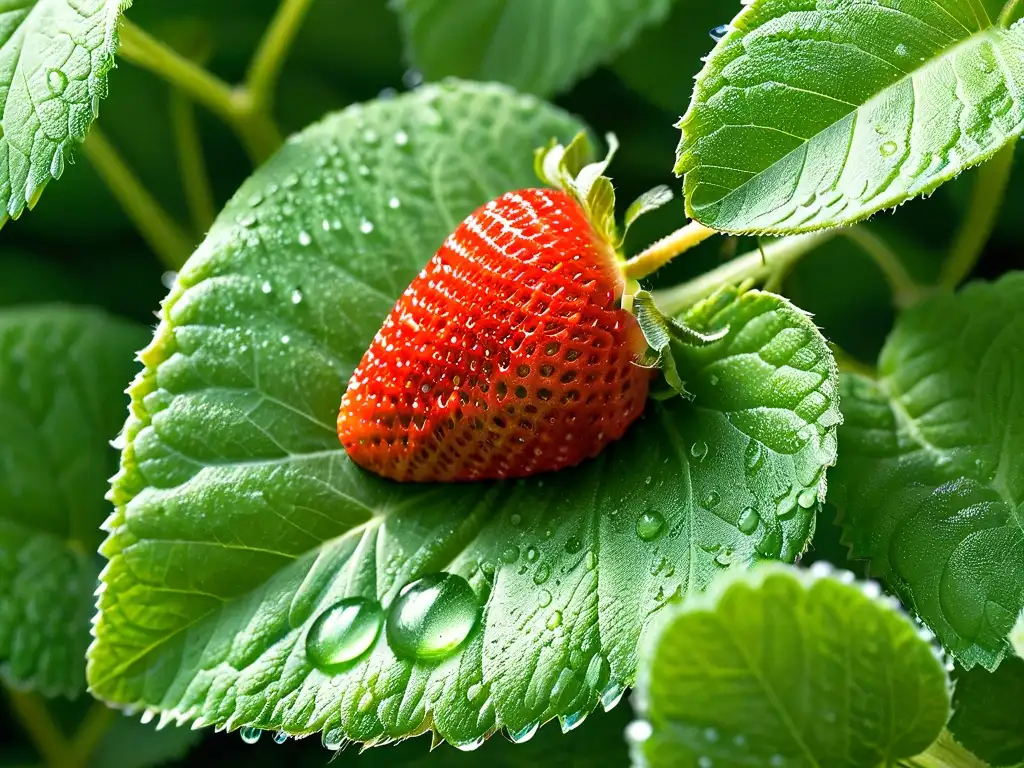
(932,477)
(54,59)
(239,519)
(814,113)
(987,716)
(535,45)
(780,667)
(61,375)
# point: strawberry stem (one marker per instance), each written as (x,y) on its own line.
(650,260)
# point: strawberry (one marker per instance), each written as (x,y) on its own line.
(509,354)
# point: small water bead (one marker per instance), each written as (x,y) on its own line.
(573,545)
(401,138)
(611,696)
(167,279)
(649,525)
(523,734)
(544,598)
(266,287)
(250,735)
(286,339)
(748,520)
(889,149)
(344,631)
(510,554)
(590,560)
(705,762)
(296,296)
(777,760)
(718,33)
(542,574)
(432,616)
(554,621)
(412,78)
(712,500)
(469,746)
(280,737)
(753,457)
(531,554)
(366,226)
(639,731)
(515,519)
(333,739)
(305,238)
(394,203)
(572,722)
(370,136)
(699,450)
(57,81)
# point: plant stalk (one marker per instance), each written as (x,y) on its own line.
(194,177)
(266,65)
(757,266)
(157,227)
(650,260)
(1009,10)
(905,290)
(47,738)
(986,202)
(92,729)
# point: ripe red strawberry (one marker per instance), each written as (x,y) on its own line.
(507,356)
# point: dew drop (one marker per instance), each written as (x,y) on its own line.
(401,138)
(807,498)
(515,519)
(544,598)
(590,560)
(777,760)
(432,616)
(412,78)
(649,525)
(571,722)
(753,457)
(531,554)
(724,558)
(333,739)
(510,554)
(699,450)
(344,632)
(394,202)
(469,746)
(370,136)
(554,621)
(286,339)
(748,520)
(250,735)
(889,149)
(280,737)
(638,731)
(523,734)
(57,81)
(167,279)
(705,762)
(305,238)
(366,226)
(771,545)
(719,32)
(710,735)
(712,500)
(365,703)
(611,696)
(542,574)
(296,296)
(573,545)
(266,287)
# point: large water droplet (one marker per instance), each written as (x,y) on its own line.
(807,498)
(573,721)
(786,505)
(280,737)
(611,696)
(719,32)
(432,616)
(333,739)
(542,574)
(712,500)
(649,525)
(889,149)
(748,520)
(544,598)
(753,457)
(344,631)
(56,81)
(510,554)
(554,621)
(771,545)
(523,734)
(366,226)
(250,735)
(573,545)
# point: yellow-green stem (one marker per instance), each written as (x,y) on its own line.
(156,226)
(52,745)
(986,202)
(755,266)
(266,65)
(1009,10)
(849,364)
(662,252)
(94,726)
(905,291)
(194,178)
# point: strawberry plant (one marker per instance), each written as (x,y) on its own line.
(527,400)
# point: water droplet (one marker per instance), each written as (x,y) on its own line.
(286,339)
(344,631)
(401,138)
(523,734)
(412,78)
(487,569)
(510,554)
(250,735)
(712,500)
(753,458)
(889,149)
(280,737)
(901,50)
(699,450)
(333,739)
(370,136)
(394,202)
(807,498)
(724,558)
(266,287)
(771,545)
(531,554)
(649,525)
(638,731)
(57,81)
(168,278)
(785,504)
(739,740)
(554,621)
(748,520)
(366,226)
(573,545)
(710,735)
(304,238)
(611,696)
(590,560)
(544,598)
(777,760)
(432,616)
(719,32)
(705,762)
(296,296)
(469,746)
(515,519)
(543,574)
(365,703)
(571,722)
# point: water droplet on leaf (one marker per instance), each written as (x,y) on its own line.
(889,149)
(699,450)
(57,81)
(432,616)
(649,525)
(250,735)
(305,238)
(523,734)
(748,520)
(719,32)
(280,737)
(542,574)
(366,226)
(344,631)
(554,621)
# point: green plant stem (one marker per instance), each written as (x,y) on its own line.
(51,744)
(753,266)
(194,178)
(849,364)
(944,753)
(236,107)
(986,201)
(160,231)
(94,726)
(651,259)
(1006,17)
(266,65)
(905,291)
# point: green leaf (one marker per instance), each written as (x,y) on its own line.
(239,519)
(783,667)
(932,477)
(61,372)
(987,716)
(57,54)
(534,45)
(810,115)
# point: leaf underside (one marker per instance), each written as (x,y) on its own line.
(56,55)
(239,518)
(58,368)
(533,45)
(818,113)
(779,667)
(932,478)
(987,717)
